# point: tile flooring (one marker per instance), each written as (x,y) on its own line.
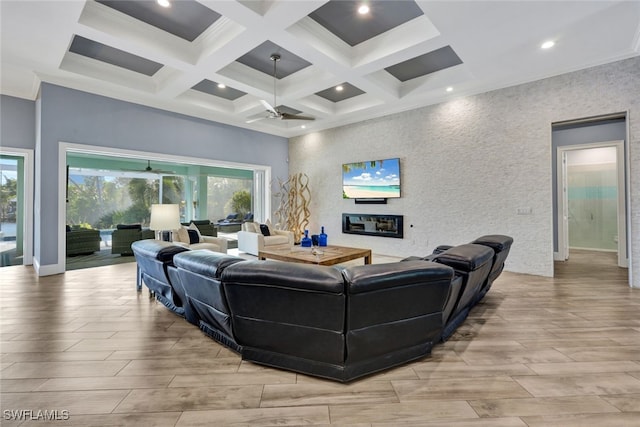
(536,352)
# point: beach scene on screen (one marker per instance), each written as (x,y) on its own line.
(371,179)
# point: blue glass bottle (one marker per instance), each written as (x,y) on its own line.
(305,242)
(322,239)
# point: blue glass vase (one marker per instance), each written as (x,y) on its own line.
(305,242)
(322,238)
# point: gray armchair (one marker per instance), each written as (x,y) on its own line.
(125,235)
(82,241)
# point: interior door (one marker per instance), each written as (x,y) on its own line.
(562,212)
(565,213)
(563,242)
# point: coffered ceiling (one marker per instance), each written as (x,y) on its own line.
(399,56)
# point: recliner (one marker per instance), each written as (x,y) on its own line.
(332,322)
(325,321)
(205,302)
(472,264)
(155,259)
(501,246)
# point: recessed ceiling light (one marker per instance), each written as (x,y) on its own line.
(303,126)
(548,44)
(363,9)
(339,88)
(221,85)
(164,3)
(449,89)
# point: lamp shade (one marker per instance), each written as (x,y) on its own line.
(165,217)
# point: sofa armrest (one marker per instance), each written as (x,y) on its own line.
(250,242)
(222,243)
(287,233)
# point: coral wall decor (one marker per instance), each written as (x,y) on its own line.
(293,210)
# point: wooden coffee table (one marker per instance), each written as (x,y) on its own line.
(330,255)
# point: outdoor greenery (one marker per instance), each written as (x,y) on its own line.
(220,196)
(8,194)
(241,202)
(103,202)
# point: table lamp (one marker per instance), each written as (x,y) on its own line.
(164,218)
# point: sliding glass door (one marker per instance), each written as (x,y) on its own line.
(11,210)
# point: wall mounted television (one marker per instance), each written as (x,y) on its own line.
(373,179)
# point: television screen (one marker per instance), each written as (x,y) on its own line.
(374,179)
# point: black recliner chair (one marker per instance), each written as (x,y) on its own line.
(501,246)
(472,263)
(155,259)
(205,302)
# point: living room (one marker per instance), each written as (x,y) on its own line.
(472,163)
(439,171)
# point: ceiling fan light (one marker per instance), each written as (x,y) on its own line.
(548,44)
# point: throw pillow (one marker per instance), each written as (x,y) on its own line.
(193,237)
(264,229)
(268,224)
(182,235)
(193,227)
(256,227)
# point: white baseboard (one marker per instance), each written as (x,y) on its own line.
(47,270)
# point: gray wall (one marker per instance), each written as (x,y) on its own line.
(68,115)
(468,165)
(577,135)
(17,122)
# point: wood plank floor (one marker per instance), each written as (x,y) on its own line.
(536,352)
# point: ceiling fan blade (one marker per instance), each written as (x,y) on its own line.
(287,116)
(255,119)
(268,107)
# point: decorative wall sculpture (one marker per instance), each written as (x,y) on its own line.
(293,210)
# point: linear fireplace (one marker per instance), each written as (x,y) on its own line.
(373,225)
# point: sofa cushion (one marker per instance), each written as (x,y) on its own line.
(251,227)
(276,240)
(205,262)
(193,237)
(167,254)
(195,228)
(467,257)
(157,249)
(181,235)
(497,242)
(271,229)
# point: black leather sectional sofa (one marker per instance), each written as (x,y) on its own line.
(332,322)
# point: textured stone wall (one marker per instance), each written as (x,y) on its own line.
(468,165)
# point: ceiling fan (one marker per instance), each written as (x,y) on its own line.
(273,111)
(149,169)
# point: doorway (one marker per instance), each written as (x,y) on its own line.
(591,200)
(16,207)
(204,170)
